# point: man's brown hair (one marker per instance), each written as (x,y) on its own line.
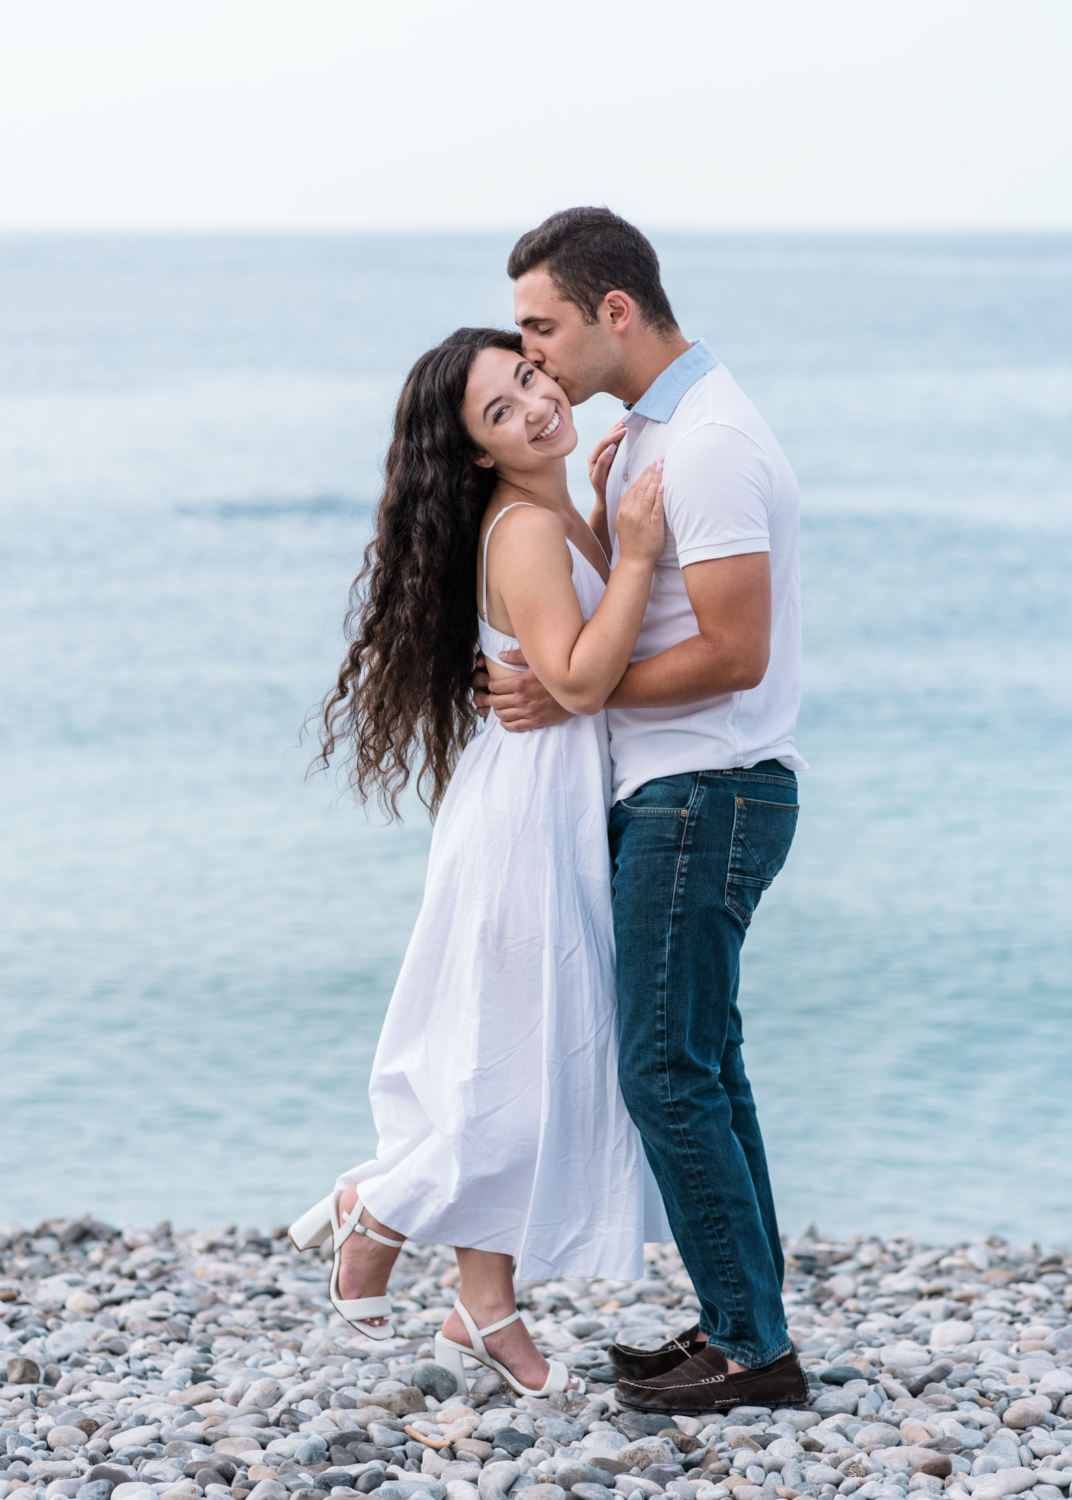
(589,252)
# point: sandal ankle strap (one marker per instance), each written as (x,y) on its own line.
(502,1323)
(350,1225)
(381,1239)
(477,1334)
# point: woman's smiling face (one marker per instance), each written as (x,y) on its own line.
(515,413)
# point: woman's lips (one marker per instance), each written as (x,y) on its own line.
(552,430)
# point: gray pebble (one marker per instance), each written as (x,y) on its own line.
(498,1476)
(460,1489)
(512,1442)
(384,1436)
(830,1402)
(661,1474)
(97,1489)
(113,1473)
(558,1430)
(261,1395)
(650,1423)
(434,1380)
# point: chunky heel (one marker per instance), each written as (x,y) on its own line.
(314,1227)
(447,1355)
(321,1224)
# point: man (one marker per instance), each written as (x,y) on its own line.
(704,788)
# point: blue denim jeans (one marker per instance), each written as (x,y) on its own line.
(692,855)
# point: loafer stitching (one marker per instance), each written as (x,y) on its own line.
(680,1385)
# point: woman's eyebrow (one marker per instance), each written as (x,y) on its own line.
(517,371)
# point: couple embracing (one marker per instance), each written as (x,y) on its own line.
(559,1077)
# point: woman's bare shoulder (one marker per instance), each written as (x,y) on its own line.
(523,524)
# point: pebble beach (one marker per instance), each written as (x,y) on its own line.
(143,1364)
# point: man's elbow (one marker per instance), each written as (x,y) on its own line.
(752,674)
(748,667)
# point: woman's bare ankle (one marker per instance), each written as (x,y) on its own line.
(366,1264)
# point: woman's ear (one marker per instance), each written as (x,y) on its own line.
(485,461)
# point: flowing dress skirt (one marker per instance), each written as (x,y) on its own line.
(494,1088)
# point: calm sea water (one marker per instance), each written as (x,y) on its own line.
(198,944)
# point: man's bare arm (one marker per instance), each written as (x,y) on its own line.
(731,599)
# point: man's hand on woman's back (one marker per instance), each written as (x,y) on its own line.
(520,701)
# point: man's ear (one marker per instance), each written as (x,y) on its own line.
(485,461)
(617,308)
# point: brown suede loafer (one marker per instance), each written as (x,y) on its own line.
(645,1364)
(704,1383)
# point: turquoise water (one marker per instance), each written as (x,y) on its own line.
(197,944)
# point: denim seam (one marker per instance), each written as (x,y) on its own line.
(683,853)
(732,866)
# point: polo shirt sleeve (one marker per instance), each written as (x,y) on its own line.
(717,489)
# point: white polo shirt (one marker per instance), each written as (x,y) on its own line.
(729,490)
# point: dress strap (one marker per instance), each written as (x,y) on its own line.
(487,539)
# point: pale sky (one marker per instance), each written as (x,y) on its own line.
(346,114)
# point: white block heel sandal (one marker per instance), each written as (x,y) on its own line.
(451,1356)
(312,1229)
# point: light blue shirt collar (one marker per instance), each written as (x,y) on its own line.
(660,401)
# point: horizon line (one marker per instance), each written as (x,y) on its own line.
(147,230)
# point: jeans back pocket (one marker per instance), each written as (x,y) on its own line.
(762,834)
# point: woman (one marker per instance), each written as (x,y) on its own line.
(494,1090)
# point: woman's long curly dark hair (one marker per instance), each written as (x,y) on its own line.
(404,691)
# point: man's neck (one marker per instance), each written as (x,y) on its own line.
(648,355)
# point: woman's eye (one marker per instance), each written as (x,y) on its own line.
(497,415)
(527,376)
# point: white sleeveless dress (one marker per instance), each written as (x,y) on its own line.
(494,1088)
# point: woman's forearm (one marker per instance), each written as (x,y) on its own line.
(579,672)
